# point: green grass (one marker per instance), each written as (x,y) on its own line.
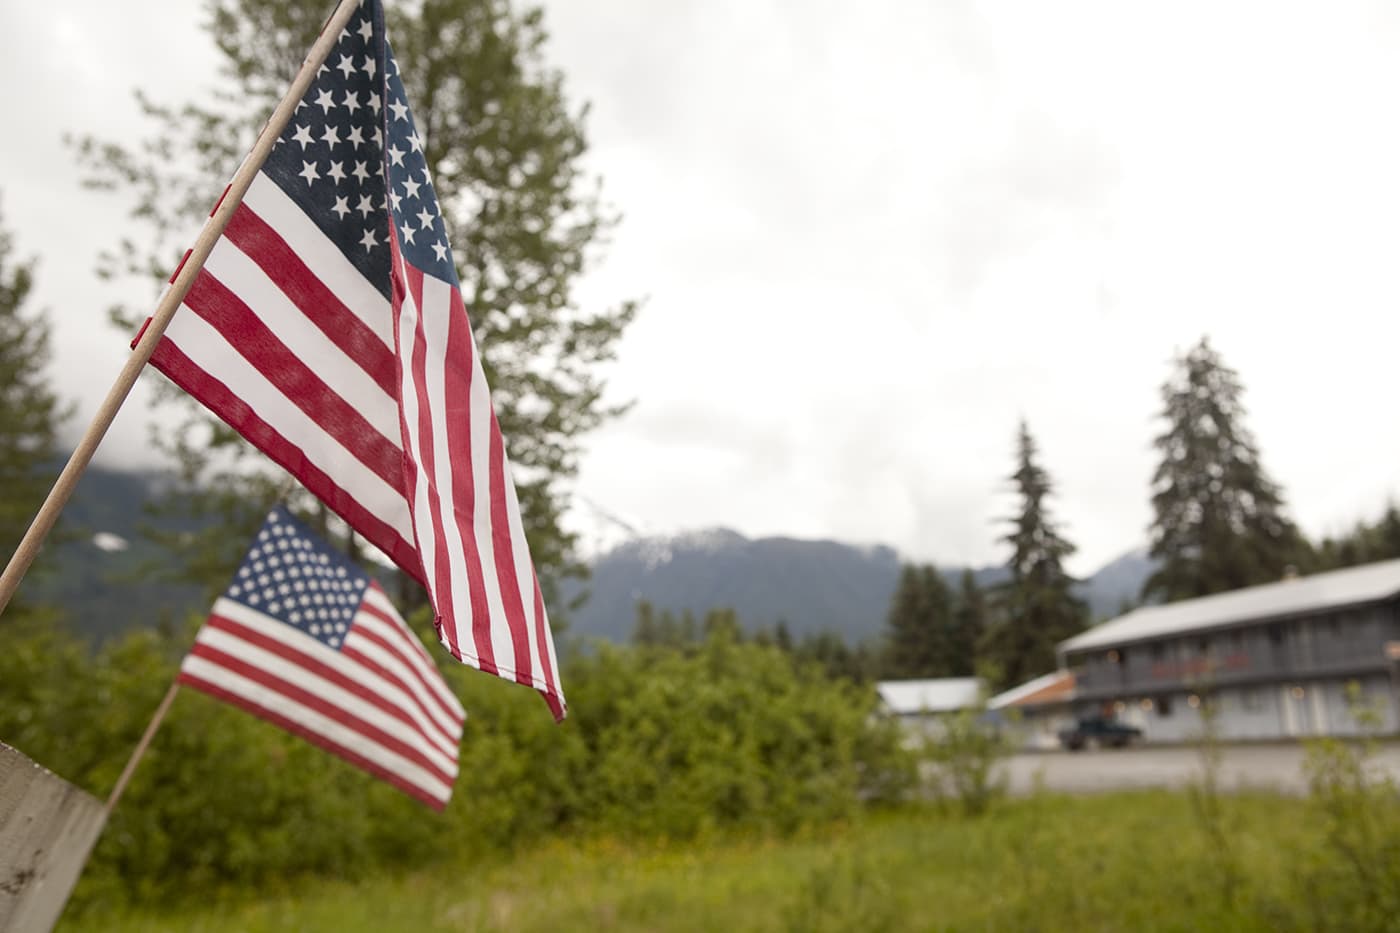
(1131,861)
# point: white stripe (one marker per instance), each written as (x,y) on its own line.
(481,475)
(338,696)
(321,256)
(317,723)
(524,578)
(421,517)
(343,375)
(208,349)
(286,635)
(437,306)
(412,651)
(427,714)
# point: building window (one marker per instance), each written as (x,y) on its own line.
(1159,651)
(1237,639)
(1252,699)
(1276,633)
(1164,706)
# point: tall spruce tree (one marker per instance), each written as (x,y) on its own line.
(969,622)
(919,621)
(1035,608)
(1219,519)
(30,412)
(525,220)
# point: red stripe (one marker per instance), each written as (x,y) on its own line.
(503,550)
(260,346)
(262,244)
(321,705)
(417,678)
(442,589)
(546,646)
(457,408)
(442,740)
(335,748)
(402,644)
(176,274)
(312,664)
(218,398)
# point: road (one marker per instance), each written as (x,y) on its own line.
(1263,767)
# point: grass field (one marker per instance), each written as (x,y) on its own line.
(1130,861)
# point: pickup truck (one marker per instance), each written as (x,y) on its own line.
(1099,731)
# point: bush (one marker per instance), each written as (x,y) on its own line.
(660,742)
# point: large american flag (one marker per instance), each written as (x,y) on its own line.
(305,639)
(328,328)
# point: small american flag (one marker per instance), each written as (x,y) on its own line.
(328,328)
(306,640)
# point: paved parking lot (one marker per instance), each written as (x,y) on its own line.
(1277,767)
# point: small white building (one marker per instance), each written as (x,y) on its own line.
(921,704)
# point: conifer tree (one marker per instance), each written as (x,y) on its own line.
(969,622)
(30,412)
(1036,608)
(1219,521)
(918,625)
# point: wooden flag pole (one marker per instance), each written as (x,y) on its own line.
(140,749)
(63,487)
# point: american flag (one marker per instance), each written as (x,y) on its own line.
(305,639)
(328,328)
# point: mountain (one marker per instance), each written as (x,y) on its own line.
(812,586)
(99,569)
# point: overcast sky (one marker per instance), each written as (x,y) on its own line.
(873,236)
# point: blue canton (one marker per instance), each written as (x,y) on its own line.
(330,159)
(293,576)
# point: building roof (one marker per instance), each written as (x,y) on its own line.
(1333,590)
(908,697)
(1055,687)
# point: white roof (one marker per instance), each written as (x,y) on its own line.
(943,695)
(1029,688)
(1332,590)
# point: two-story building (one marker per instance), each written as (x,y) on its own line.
(1276,658)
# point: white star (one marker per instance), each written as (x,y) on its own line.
(295,617)
(415,141)
(351,102)
(377,136)
(308,171)
(346,65)
(400,110)
(356,136)
(303,136)
(331,135)
(341,208)
(374,103)
(315,629)
(425,218)
(411,187)
(284,589)
(407,233)
(368,241)
(234,590)
(364,207)
(361,172)
(366,30)
(368,66)
(323,100)
(440,250)
(337,171)
(396,155)
(395,198)
(274,606)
